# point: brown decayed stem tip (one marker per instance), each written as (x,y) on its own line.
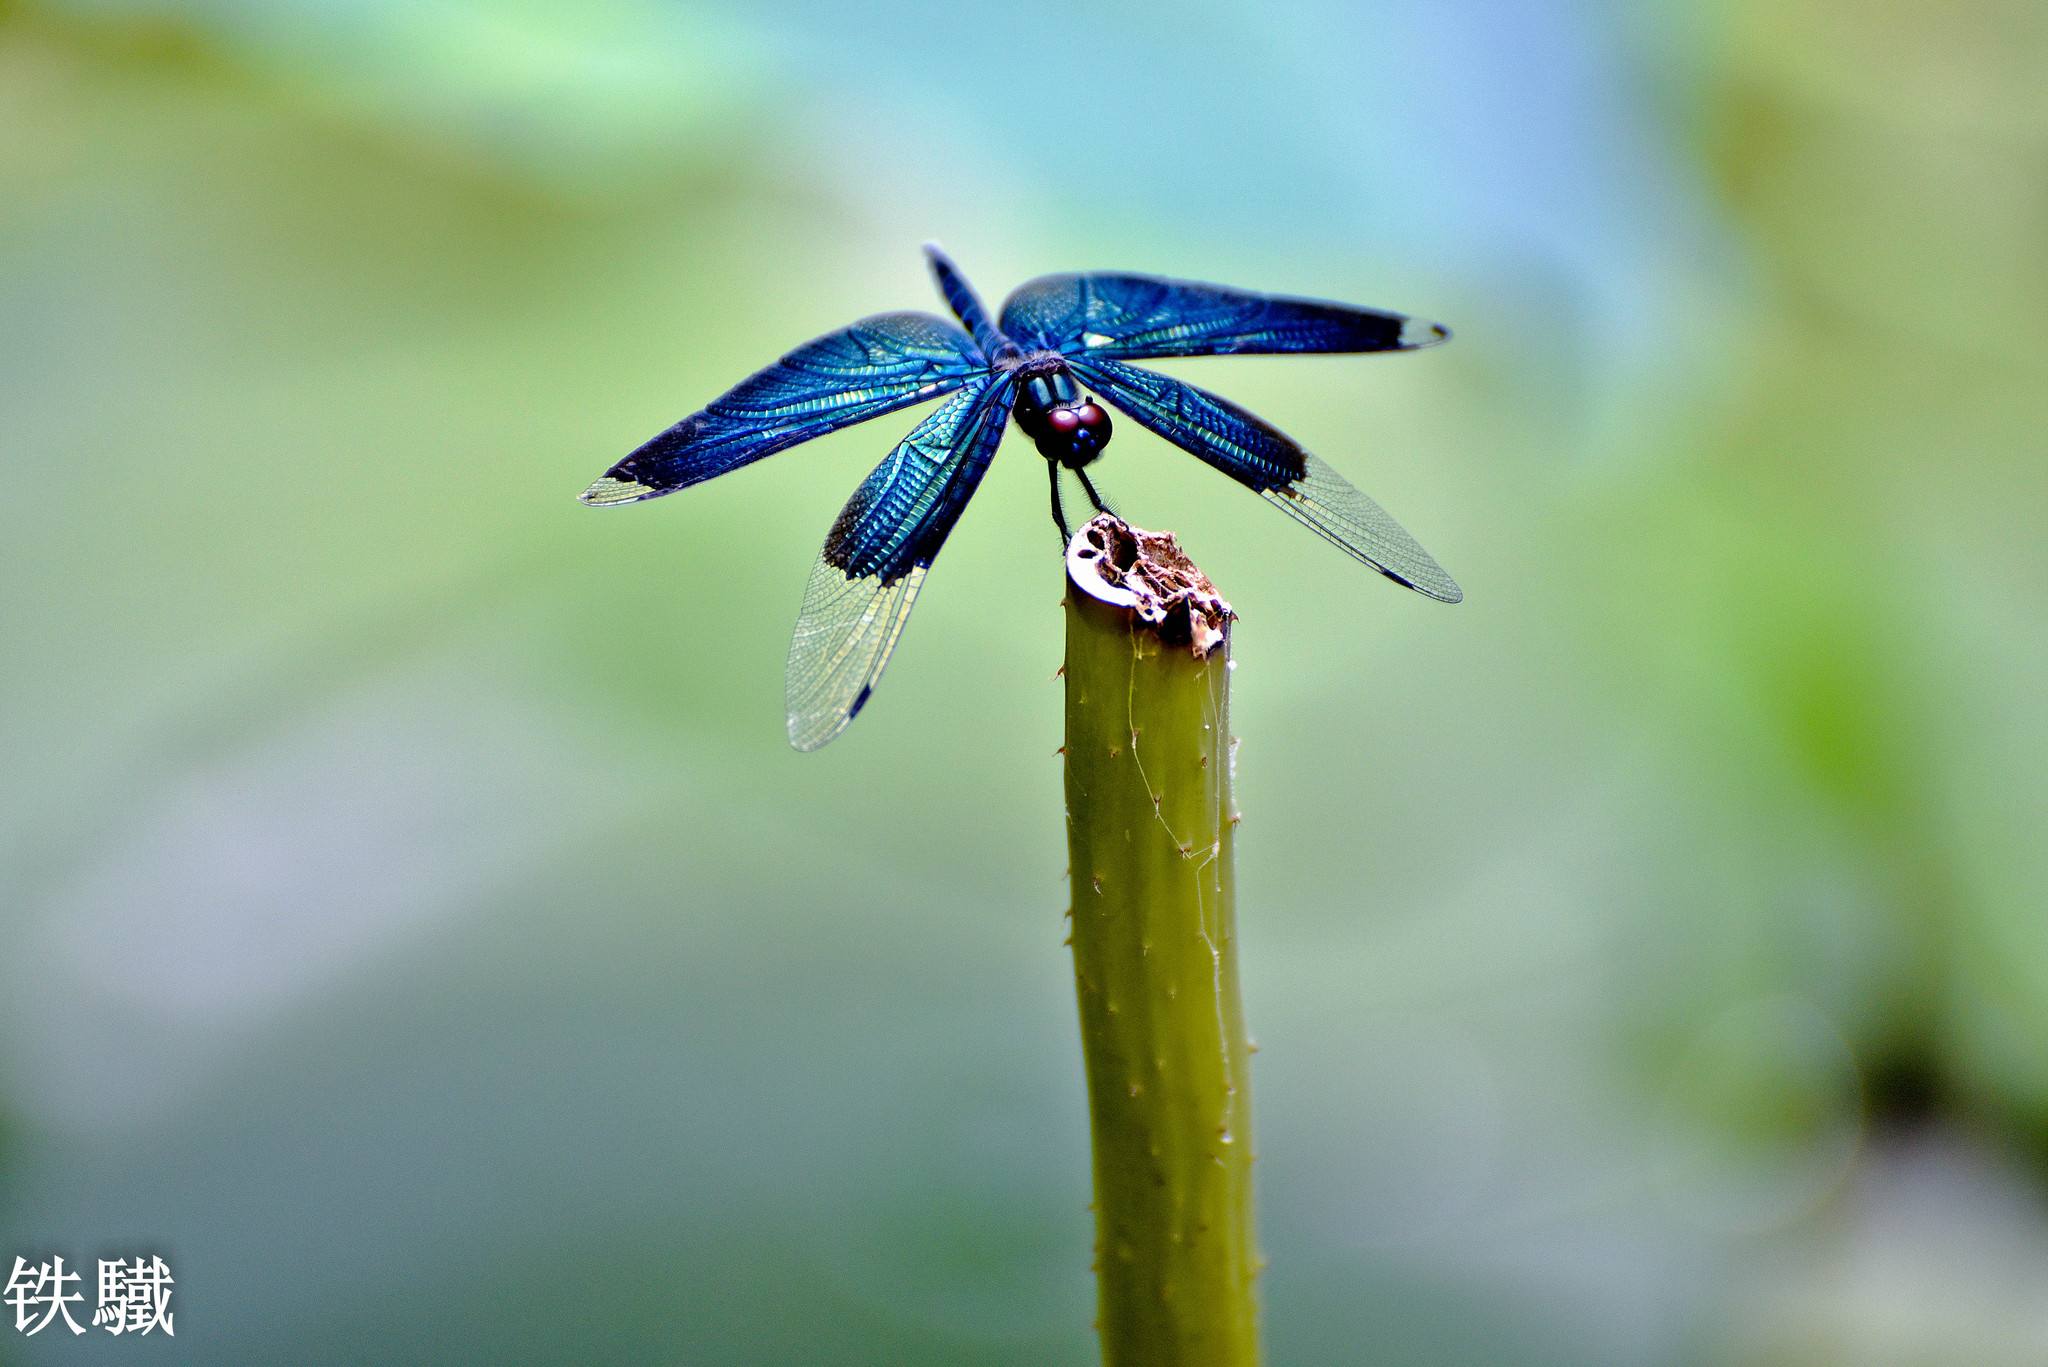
(1148,573)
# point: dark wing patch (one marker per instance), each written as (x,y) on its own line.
(875,559)
(1264,459)
(863,371)
(1132,317)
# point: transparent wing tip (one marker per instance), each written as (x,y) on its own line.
(1416,570)
(812,727)
(1420,332)
(808,732)
(609,492)
(1444,589)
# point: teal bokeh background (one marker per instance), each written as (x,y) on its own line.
(413,926)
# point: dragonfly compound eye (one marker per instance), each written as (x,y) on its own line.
(1074,435)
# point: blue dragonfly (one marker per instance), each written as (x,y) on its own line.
(1055,334)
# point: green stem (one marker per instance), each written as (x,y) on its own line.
(1149,825)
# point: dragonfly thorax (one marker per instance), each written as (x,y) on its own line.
(1066,425)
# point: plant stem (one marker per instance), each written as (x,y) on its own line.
(1149,826)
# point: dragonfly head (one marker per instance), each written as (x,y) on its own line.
(1066,424)
(1074,435)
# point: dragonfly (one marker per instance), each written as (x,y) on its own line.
(1056,338)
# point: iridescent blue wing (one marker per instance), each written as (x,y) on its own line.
(1131,317)
(860,372)
(876,556)
(1264,459)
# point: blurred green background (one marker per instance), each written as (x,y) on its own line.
(414,927)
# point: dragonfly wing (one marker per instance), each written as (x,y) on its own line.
(1264,459)
(1131,317)
(876,557)
(859,372)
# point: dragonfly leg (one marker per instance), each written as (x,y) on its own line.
(1101,504)
(1059,514)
